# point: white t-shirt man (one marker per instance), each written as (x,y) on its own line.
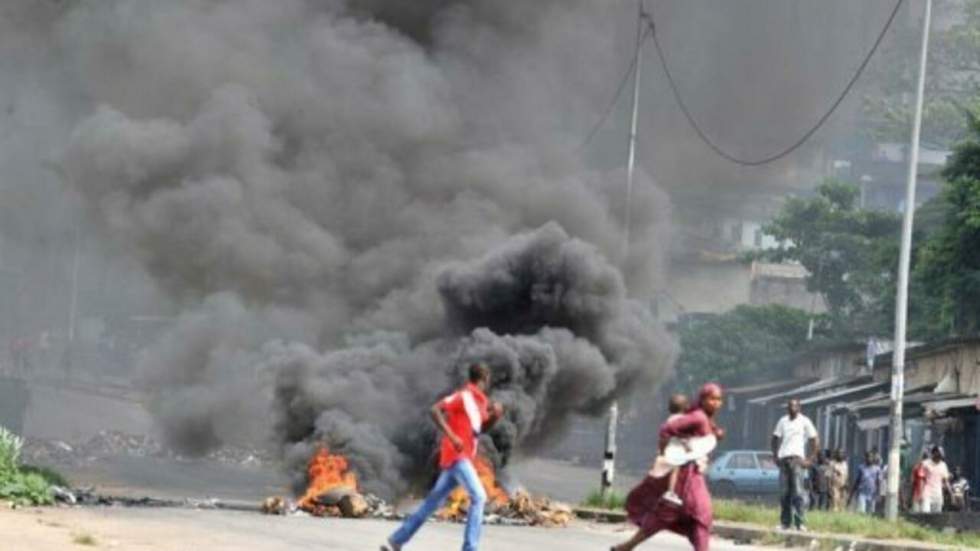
(932,493)
(793,435)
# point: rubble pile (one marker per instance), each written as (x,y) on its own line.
(522,509)
(110,443)
(344,503)
(535,510)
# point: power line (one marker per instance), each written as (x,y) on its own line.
(798,143)
(619,90)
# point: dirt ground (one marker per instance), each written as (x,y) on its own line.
(135,529)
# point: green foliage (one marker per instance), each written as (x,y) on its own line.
(841,523)
(739,343)
(26,489)
(948,265)
(850,253)
(611,501)
(10,447)
(53,477)
(951,83)
(25,486)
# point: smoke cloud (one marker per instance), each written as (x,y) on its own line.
(346,202)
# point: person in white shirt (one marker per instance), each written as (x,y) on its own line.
(789,444)
(937,480)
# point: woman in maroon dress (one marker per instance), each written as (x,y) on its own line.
(693,519)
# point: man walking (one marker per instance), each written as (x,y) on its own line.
(866,485)
(460,417)
(789,442)
(937,481)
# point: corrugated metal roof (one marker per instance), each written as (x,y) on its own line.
(806,390)
(946,404)
(841,393)
(761,387)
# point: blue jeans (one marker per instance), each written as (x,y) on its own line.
(867,503)
(461,472)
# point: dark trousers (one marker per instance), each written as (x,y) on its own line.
(792,478)
(819,501)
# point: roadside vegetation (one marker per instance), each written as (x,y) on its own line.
(820,522)
(21,484)
(611,501)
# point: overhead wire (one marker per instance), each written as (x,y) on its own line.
(651,22)
(630,71)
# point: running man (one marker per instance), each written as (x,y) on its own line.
(460,417)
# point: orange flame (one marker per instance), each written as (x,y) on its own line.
(326,472)
(458,501)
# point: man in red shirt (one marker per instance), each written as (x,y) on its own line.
(460,417)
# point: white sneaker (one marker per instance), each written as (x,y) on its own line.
(672,498)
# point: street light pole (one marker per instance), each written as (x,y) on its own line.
(609,453)
(901,302)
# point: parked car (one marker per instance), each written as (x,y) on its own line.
(744,472)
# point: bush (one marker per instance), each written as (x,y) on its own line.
(23,485)
(10,446)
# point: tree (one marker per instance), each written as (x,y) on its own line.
(951,86)
(738,344)
(849,253)
(948,264)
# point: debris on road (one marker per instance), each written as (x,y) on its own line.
(110,443)
(522,509)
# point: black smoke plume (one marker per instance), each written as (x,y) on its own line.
(343,202)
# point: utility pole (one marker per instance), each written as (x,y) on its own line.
(609,455)
(901,302)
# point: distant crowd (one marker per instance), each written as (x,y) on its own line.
(814,479)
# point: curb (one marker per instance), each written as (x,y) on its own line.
(750,533)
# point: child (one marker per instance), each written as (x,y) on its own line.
(677,406)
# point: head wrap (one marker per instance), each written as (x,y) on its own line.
(708,389)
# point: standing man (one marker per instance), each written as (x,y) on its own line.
(937,480)
(789,442)
(866,484)
(460,417)
(838,481)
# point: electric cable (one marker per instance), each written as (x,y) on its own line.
(647,33)
(795,145)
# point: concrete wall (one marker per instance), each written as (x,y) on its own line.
(845,363)
(711,287)
(73,414)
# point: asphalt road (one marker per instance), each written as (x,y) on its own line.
(127,529)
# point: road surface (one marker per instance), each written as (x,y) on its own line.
(131,529)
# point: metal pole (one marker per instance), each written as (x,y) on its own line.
(634,116)
(609,455)
(901,302)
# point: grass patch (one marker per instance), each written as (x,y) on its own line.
(611,500)
(84,539)
(817,521)
(842,523)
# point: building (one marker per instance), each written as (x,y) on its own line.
(940,407)
(822,378)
